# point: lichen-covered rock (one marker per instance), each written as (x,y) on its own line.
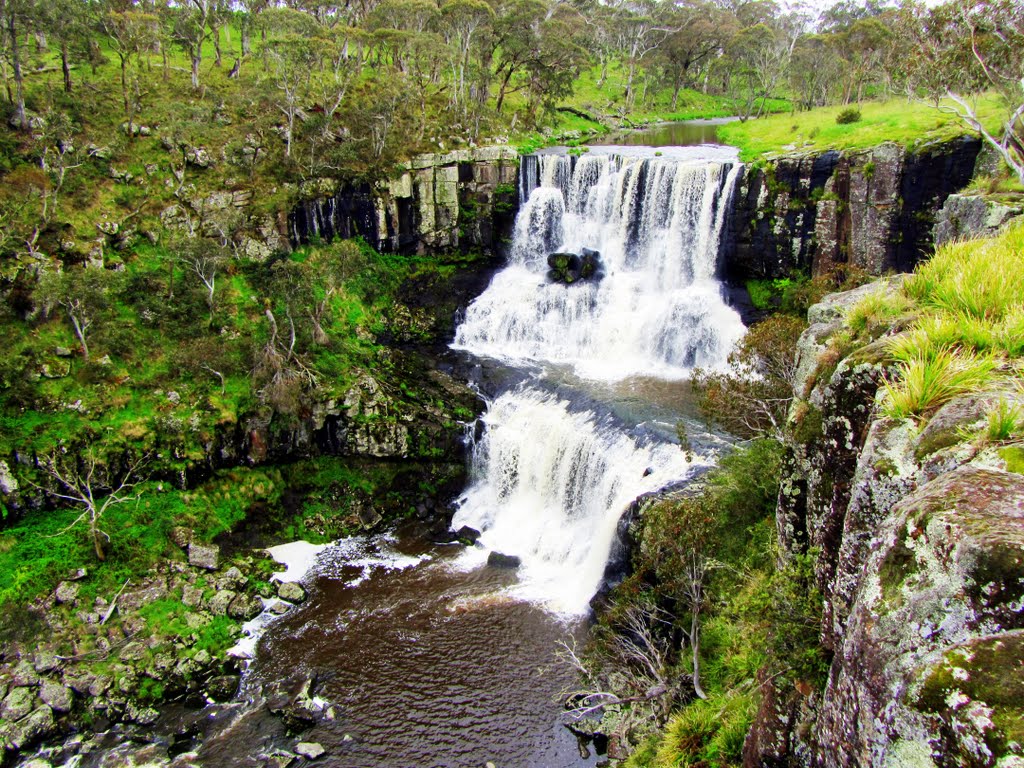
(919,536)
(203,555)
(969,216)
(291,592)
(870,208)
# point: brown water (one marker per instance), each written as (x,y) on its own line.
(419,663)
(687,133)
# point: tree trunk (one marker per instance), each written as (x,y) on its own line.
(215,33)
(19,80)
(197,60)
(695,643)
(80,334)
(97,542)
(65,66)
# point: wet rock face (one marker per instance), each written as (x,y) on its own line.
(873,209)
(919,535)
(462,199)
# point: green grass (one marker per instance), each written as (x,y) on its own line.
(965,312)
(904,122)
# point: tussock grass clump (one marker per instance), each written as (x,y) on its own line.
(1004,421)
(934,377)
(971,301)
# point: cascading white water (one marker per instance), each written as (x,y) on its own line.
(550,479)
(657,223)
(549,485)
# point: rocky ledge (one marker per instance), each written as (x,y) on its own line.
(92,662)
(918,532)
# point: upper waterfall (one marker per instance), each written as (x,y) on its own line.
(657,222)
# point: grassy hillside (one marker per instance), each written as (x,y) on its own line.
(904,122)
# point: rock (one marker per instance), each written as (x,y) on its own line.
(32,728)
(963,217)
(135,651)
(245,607)
(24,674)
(203,555)
(467,535)
(19,702)
(198,156)
(181,536)
(8,483)
(309,749)
(232,579)
(66,592)
(191,596)
(56,696)
(219,602)
(45,661)
(500,560)
(222,687)
(280,608)
(292,592)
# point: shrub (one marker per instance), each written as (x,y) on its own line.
(848,116)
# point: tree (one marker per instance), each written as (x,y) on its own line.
(963,48)
(57,155)
(16,15)
(815,70)
(204,260)
(461,22)
(83,484)
(701,30)
(66,22)
(82,293)
(190,29)
(291,61)
(753,397)
(130,33)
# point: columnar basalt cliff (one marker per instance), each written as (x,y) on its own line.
(464,199)
(918,535)
(873,209)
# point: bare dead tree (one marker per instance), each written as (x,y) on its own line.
(83,485)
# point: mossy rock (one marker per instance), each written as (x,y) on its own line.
(1013,455)
(988,671)
(952,423)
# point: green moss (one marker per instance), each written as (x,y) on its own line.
(1013,455)
(990,671)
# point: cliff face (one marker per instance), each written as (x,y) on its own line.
(460,200)
(919,539)
(873,209)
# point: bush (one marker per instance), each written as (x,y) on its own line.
(848,116)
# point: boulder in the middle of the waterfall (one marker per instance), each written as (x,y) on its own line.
(570,268)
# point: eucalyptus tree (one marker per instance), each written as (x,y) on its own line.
(190,25)
(16,17)
(130,32)
(962,49)
(462,22)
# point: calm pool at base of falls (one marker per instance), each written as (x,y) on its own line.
(414,662)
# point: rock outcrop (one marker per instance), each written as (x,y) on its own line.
(968,216)
(460,200)
(873,209)
(919,542)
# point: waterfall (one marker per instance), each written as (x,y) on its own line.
(549,485)
(552,474)
(657,224)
